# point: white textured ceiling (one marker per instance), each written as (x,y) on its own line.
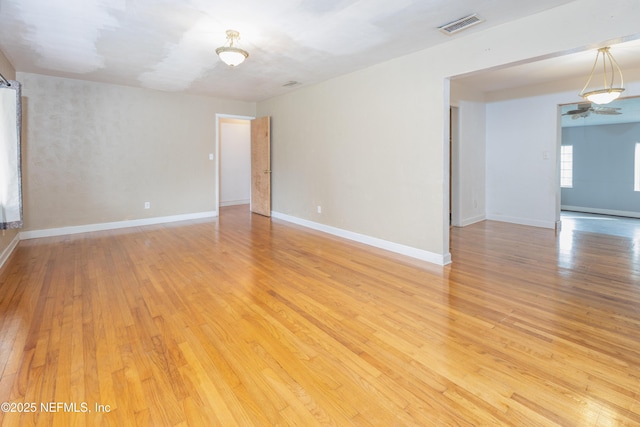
(170,44)
(566,73)
(540,71)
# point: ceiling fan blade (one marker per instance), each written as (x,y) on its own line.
(582,114)
(574,112)
(607,112)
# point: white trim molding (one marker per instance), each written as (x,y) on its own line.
(412,252)
(50,232)
(4,256)
(472,220)
(235,202)
(628,214)
(368,240)
(522,221)
(219,117)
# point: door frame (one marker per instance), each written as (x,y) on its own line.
(216,155)
(454,166)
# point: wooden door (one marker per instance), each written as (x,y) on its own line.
(261,166)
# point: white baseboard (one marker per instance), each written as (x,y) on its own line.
(4,256)
(234,202)
(629,214)
(361,238)
(472,220)
(368,240)
(522,221)
(50,232)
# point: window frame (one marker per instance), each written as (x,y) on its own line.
(636,168)
(566,166)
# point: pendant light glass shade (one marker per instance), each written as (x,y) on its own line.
(232,55)
(608,93)
(603,96)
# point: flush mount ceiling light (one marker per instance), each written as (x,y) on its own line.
(232,55)
(608,93)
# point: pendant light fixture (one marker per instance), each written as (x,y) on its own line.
(230,54)
(608,93)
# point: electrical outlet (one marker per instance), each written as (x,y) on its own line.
(147,205)
(319,209)
(210,156)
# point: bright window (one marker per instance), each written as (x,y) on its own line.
(636,169)
(566,165)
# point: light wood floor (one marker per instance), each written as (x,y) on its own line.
(248,321)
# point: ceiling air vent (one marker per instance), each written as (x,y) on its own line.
(461,24)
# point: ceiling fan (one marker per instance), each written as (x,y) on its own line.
(585,109)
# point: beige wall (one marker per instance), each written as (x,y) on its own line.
(372,147)
(6,236)
(94,153)
(351,146)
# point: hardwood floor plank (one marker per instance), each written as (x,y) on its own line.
(250,321)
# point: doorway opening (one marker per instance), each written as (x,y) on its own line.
(233,160)
(599,166)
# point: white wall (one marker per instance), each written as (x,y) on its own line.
(472,163)
(522,185)
(373,146)
(468,187)
(235,162)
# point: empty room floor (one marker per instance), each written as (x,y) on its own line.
(250,321)
(601,224)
